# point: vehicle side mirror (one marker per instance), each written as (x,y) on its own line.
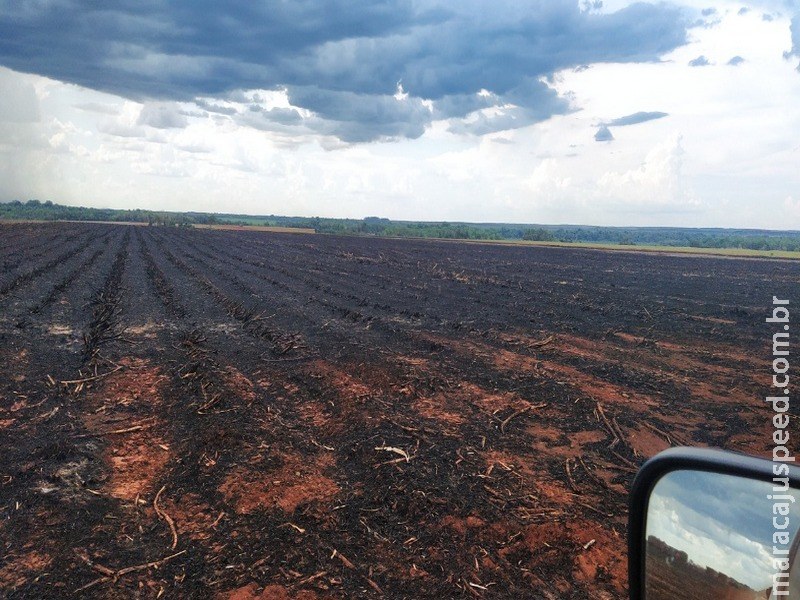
(707,524)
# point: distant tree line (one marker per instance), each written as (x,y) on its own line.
(36,210)
(381,227)
(625,236)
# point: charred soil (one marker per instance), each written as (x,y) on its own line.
(241,415)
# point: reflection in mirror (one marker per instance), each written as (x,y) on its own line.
(721,537)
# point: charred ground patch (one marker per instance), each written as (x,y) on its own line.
(249,415)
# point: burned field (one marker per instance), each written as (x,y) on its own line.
(239,415)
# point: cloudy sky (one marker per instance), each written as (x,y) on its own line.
(679,113)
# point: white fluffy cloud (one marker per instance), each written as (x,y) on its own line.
(657,183)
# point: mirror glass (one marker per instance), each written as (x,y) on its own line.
(721,537)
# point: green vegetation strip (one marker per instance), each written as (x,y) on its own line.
(716,241)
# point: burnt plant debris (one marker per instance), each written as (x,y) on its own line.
(240,415)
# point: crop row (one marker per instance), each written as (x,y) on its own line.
(359,341)
(29,270)
(164,289)
(26,243)
(227,282)
(287,284)
(106,307)
(247,315)
(605,291)
(451,365)
(60,287)
(350,436)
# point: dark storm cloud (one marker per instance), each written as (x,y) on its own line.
(796,38)
(215,108)
(603,134)
(460,105)
(339,58)
(285,116)
(162,116)
(635,118)
(532,101)
(362,117)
